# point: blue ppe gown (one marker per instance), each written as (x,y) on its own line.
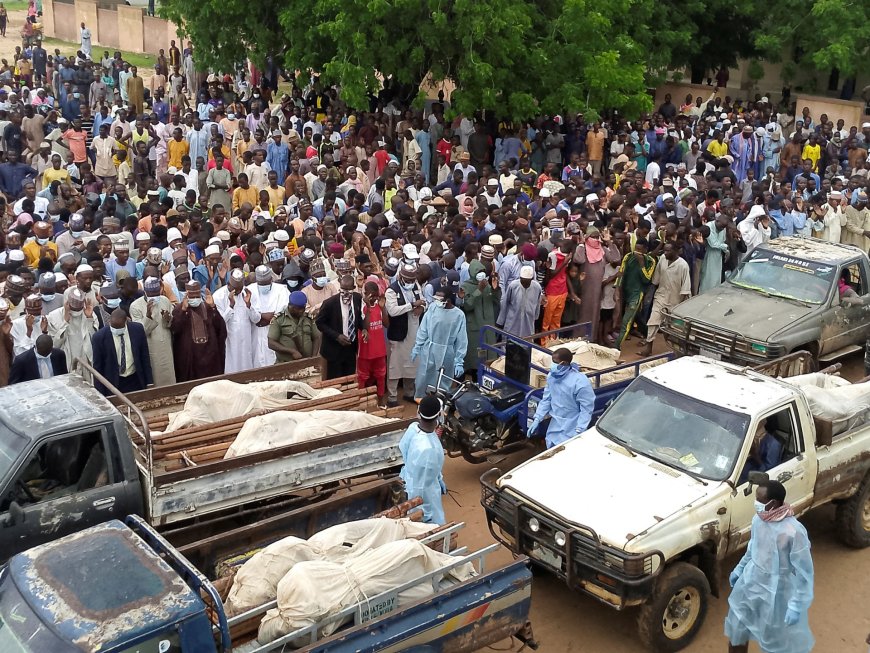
(775,575)
(569,400)
(424,460)
(441,343)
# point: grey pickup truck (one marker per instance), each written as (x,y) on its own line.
(790,294)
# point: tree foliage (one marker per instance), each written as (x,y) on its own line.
(520,57)
(822,34)
(517,57)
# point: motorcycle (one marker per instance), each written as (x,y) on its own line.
(479,422)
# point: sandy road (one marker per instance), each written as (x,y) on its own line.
(567,622)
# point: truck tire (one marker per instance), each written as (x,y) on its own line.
(671,618)
(853,517)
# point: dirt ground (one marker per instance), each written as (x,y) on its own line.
(568,622)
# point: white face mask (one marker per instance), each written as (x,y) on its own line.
(47,297)
(481,276)
(440,303)
(759,507)
(42,241)
(264,290)
(119,332)
(292,283)
(113,303)
(193,303)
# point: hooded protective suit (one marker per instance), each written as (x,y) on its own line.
(772,588)
(569,400)
(441,343)
(424,459)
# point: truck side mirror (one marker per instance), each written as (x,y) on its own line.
(14,515)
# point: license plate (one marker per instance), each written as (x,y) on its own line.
(546,556)
(709,353)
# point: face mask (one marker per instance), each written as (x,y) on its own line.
(408,286)
(193,303)
(321,282)
(759,507)
(76,234)
(292,283)
(264,290)
(153,300)
(231,116)
(48,298)
(113,303)
(559,370)
(440,303)
(76,313)
(119,332)
(481,276)
(42,241)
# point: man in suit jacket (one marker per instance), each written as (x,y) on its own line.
(42,361)
(339,321)
(121,354)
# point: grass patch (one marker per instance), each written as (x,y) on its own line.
(141,61)
(17,5)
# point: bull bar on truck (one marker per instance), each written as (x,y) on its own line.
(572,552)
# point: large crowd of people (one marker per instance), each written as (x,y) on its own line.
(195,223)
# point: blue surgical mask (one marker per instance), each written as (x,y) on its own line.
(559,370)
(264,290)
(119,332)
(292,283)
(42,241)
(759,507)
(76,234)
(408,286)
(231,116)
(47,297)
(321,282)
(113,303)
(481,276)
(193,303)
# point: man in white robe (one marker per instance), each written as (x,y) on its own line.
(674,286)
(267,299)
(405,306)
(233,302)
(154,313)
(71,327)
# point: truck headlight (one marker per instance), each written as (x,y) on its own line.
(758,348)
(559,538)
(534,525)
(678,324)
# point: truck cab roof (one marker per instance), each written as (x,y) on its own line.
(59,403)
(722,384)
(101,587)
(812,249)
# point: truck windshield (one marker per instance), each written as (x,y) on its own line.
(775,274)
(12,444)
(675,429)
(21,631)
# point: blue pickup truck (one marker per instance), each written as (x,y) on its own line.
(122,588)
(492,414)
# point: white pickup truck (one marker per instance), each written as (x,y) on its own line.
(642,509)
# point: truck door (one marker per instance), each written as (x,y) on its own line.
(65,485)
(785,462)
(848,323)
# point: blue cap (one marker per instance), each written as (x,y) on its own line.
(298,299)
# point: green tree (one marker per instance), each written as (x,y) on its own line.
(823,34)
(516,57)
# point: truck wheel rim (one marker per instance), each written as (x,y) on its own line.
(681,613)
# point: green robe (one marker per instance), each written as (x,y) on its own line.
(633,280)
(480,307)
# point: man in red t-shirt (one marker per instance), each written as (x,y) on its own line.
(556,289)
(382,158)
(371,364)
